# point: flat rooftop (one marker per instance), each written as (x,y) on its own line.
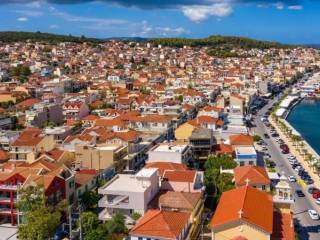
(173,147)
(245,151)
(130,183)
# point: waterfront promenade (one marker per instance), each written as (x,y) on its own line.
(299,155)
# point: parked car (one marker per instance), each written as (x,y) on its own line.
(266,135)
(316,194)
(313,214)
(311,190)
(292,179)
(318,201)
(300,193)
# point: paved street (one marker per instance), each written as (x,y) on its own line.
(309,229)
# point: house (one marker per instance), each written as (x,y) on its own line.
(57,181)
(211,111)
(128,194)
(85,180)
(245,212)
(40,114)
(181,202)
(163,166)
(246,156)
(252,176)
(201,141)
(162,225)
(30,142)
(237,104)
(184,131)
(241,140)
(174,152)
(182,181)
(75,109)
(101,157)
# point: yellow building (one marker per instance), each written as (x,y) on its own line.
(184,131)
(6,97)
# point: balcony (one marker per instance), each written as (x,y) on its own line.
(5,187)
(120,201)
(7,211)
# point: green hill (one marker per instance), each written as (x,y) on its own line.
(217,41)
(39,36)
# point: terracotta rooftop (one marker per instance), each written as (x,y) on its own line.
(29,137)
(256,208)
(255,175)
(180,176)
(161,224)
(176,200)
(283,228)
(163,166)
(241,139)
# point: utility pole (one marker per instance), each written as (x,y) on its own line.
(80,209)
(70,221)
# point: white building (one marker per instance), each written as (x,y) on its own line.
(128,194)
(246,156)
(170,152)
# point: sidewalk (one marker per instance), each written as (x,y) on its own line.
(298,155)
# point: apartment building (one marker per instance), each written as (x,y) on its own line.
(128,194)
(174,152)
(30,142)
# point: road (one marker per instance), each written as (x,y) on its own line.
(307,228)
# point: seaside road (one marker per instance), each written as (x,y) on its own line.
(306,227)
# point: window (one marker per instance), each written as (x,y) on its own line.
(71,183)
(250,162)
(140,238)
(241,163)
(263,187)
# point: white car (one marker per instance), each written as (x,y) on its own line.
(313,214)
(292,179)
(318,201)
(291,157)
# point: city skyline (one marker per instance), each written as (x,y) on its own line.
(283,21)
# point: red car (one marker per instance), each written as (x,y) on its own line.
(316,194)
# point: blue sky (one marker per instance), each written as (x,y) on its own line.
(289,21)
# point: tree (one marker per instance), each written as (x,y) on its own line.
(217,182)
(256,138)
(89,221)
(39,220)
(225,161)
(90,199)
(136,216)
(117,224)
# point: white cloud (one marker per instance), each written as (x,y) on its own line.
(99,22)
(34,4)
(30,13)
(279,5)
(295,7)
(22,19)
(198,13)
(54,26)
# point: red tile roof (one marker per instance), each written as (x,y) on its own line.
(29,137)
(161,224)
(283,228)
(256,207)
(241,140)
(163,166)
(255,175)
(180,176)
